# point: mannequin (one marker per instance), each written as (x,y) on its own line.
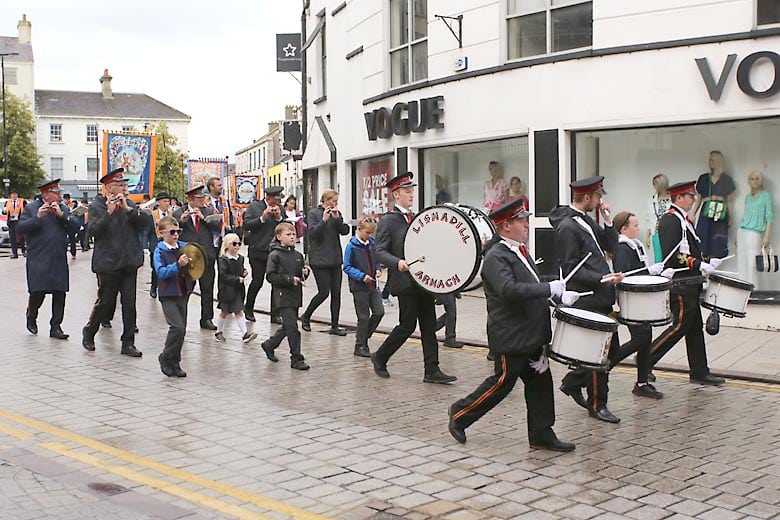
(659,205)
(714,196)
(755,228)
(496,189)
(516,190)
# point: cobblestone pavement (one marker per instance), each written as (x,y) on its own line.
(99,435)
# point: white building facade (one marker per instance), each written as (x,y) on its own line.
(552,90)
(19,63)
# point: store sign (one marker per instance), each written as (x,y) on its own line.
(414,116)
(744,70)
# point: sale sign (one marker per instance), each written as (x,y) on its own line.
(372,175)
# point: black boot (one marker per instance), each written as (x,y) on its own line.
(130,350)
(362,351)
(57,333)
(32,326)
(87,340)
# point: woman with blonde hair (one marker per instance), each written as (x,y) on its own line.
(231,293)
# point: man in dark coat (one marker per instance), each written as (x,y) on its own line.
(414,303)
(260,220)
(115,223)
(198,224)
(576,235)
(47,224)
(518,328)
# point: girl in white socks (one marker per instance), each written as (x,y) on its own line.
(232,291)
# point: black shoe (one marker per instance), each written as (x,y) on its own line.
(490,356)
(603,414)
(441,322)
(439,377)
(135,329)
(337,332)
(299,364)
(458,433)
(166,367)
(362,351)
(451,343)
(58,334)
(247,337)
(105,324)
(269,353)
(650,377)
(207,325)
(646,390)
(220,337)
(553,443)
(380,370)
(32,326)
(709,380)
(306,324)
(177,371)
(130,350)
(276,320)
(14,256)
(153,293)
(87,341)
(576,394)
(250,316)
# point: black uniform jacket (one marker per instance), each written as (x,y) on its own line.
(573,242)
(47,242)
(230,270)
(389,249)
(670,233)
(284,263)
(205,236)
(626,258)
(260,233)
(324,241)
(117,246)
(518,314)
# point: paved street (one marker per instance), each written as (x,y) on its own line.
(99,435)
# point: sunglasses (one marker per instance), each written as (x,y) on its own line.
(174,231)
(235,244)
(368,220)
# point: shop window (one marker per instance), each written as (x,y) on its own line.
(55,133)
(482,175)
(92,133)
(408,41)
(768,12)
(369,179)
(55,165)
(537,27)
(631,159)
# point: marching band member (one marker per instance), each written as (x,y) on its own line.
(576,235)
(162,210)
(518,328)
(676,232)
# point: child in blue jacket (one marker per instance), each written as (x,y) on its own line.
(362,271)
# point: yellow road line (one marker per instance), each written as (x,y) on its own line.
(262,502)
(13,432)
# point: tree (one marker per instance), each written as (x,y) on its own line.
(169,170)
(24,164)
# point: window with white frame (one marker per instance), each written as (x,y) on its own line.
(10,76)
(323,65)
(408,41)
(55,133)
(92,134)
(768,12)
(92,164)
(537,27)
(55,167)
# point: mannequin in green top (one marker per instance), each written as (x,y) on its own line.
(755,230)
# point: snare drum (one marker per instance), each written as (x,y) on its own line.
(644,300)
(727,295)
(451,238)
(582,338)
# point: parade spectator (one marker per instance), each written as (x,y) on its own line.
(231,293)
(73,236)
(13,209)
(294,217)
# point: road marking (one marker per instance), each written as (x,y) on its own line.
(13,432)
(260,501)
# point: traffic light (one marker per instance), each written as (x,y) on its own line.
(291,135)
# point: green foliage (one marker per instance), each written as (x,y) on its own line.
(24,164)
(169,170)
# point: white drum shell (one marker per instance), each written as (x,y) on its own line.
(730,300)
(579,343)
(644,307)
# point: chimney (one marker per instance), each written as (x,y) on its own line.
(290,112)
(25,30)
(105,82)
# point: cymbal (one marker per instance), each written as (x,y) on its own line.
(197,255)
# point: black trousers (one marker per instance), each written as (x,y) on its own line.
(640,342)
(83,238)
(288,329)
(369,311)
(258,265)
(450,316)
(595,382)
(539,401)
(109,285)
(57,307)
(416,306)
(175,311)
(14,238)
(687,323)
(206,286)
(72,237)
(328,283)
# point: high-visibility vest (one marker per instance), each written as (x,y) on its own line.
(157,216)
(12,211)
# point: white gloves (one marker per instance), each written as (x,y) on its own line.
(706,269)
(715,262)
(569,298)
(541,365)
(656,269)
(668,273)
(557,287)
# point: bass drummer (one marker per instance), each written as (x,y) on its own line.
(676,231)
(576,235)
(414,303)
(518,328)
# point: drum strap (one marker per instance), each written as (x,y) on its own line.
(589,229)
(516,250)
(636,245)
(685,225)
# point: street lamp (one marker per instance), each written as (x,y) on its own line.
(7,180)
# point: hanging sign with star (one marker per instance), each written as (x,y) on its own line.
(288,48)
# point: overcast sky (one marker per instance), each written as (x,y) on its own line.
(215,61)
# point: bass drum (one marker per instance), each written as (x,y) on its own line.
(446,244)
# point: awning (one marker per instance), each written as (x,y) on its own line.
(320,148)
(313,35)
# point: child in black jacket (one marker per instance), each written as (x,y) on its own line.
(286,272)
(232,276)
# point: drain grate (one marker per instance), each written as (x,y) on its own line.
(106,489)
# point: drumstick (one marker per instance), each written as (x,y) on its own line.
(586,293)
(538,261)
(672,251)
(726,258)
(629,273)
(577,267)
(725,272)
(607,277)
(421,259)
(680,269)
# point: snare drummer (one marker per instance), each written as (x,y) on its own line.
(676,232)
(630,255)
(518,327)
(414,304)
(576,235)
